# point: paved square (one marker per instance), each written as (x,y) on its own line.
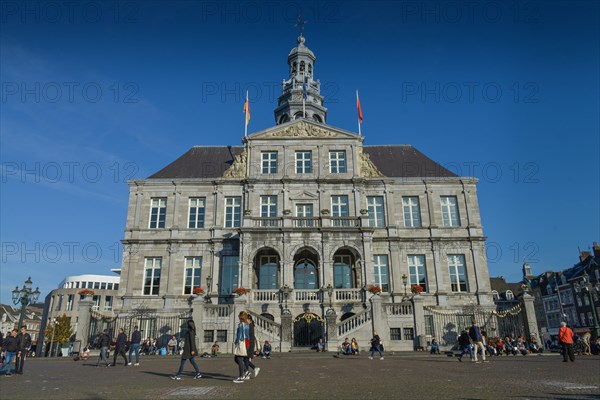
(314,376)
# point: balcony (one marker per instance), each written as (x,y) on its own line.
(307,296)
(306,222)
(353,294)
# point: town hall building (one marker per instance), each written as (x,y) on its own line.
(312,231)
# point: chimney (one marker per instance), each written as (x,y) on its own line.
(596,249)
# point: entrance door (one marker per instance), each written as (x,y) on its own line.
(308,328)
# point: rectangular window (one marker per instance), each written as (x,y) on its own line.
(60,300)
(269,162)
(416,271)
(450,215)
(381,272)
(458,272)
(196,213)
(412,212)
(152,276)
(376,213)
(342,272)
(209,336)
(590,318)
(103,285)
(339,208)
(268,206)
(304,213)
(116,286)
(96,285)
(409,334)
(158,212)
(109,286)
(229,274)
(337,162)
(233,212)
(582,317)
(429,331)
(395,334)
(193,274)
(222,335)
(304,162)
(96,300)
(70,302)
(108,301)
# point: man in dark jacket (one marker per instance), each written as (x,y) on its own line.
(120,347)
(464,342)
(477,339)
(189,351)
(9,348)
(136,339)
(24,343)
(103,342)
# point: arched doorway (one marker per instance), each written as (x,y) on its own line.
(308,328)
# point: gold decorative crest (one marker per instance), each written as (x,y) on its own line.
(308,317)
(237,170)
(367,168)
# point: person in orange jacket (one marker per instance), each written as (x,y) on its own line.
(565,337)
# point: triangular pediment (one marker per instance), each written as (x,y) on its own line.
(303,196)
(303,129)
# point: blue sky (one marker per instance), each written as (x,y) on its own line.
(96,93)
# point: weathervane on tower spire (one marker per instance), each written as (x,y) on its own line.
(300,23)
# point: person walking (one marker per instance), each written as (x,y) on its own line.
(104,343)
(248,360)
(189,352)
(24,343)
(242,335)
(9,349)
(464,342)
(136,340)
(477,340)
(565,337)
(120,347)
(376,346)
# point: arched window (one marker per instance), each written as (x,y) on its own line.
(283,119)
(294,68)
(298,115)
(510,295)
(342,271)
(309,69)
(317,118)
(305,275)
(495,295)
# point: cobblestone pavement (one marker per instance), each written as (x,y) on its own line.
(313,376)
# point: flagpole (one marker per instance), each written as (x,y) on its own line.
(304,96)
(246,117)
(358,118)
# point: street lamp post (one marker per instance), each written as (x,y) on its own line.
(587,287)
(25,296)
(405,282)
(208,288)
(329,289)
(53,322)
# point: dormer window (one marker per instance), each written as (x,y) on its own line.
(510,295)
(495,295)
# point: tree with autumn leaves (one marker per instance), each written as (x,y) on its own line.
(61,328)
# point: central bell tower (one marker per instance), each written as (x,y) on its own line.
(301,93)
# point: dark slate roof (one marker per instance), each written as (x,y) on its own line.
(405,161)
(392,160)
(200,162)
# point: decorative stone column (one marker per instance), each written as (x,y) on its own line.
(197,304)
(529,309)
(332,336)
(84,309)
(379,322)
(419,315)
(286,331)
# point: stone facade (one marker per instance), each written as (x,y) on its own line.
(308,218)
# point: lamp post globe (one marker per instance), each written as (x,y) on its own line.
(25,297)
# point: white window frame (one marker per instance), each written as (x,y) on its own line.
(337,162)
(380,264)
(269,162)
(268,206)
(337,206)
(233,209)
(193,273)
(411,210)
(417,270)
(304,162)
(197,203)
(455,262)
(376,211)
(158,205)
(450,214)
(153,264)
